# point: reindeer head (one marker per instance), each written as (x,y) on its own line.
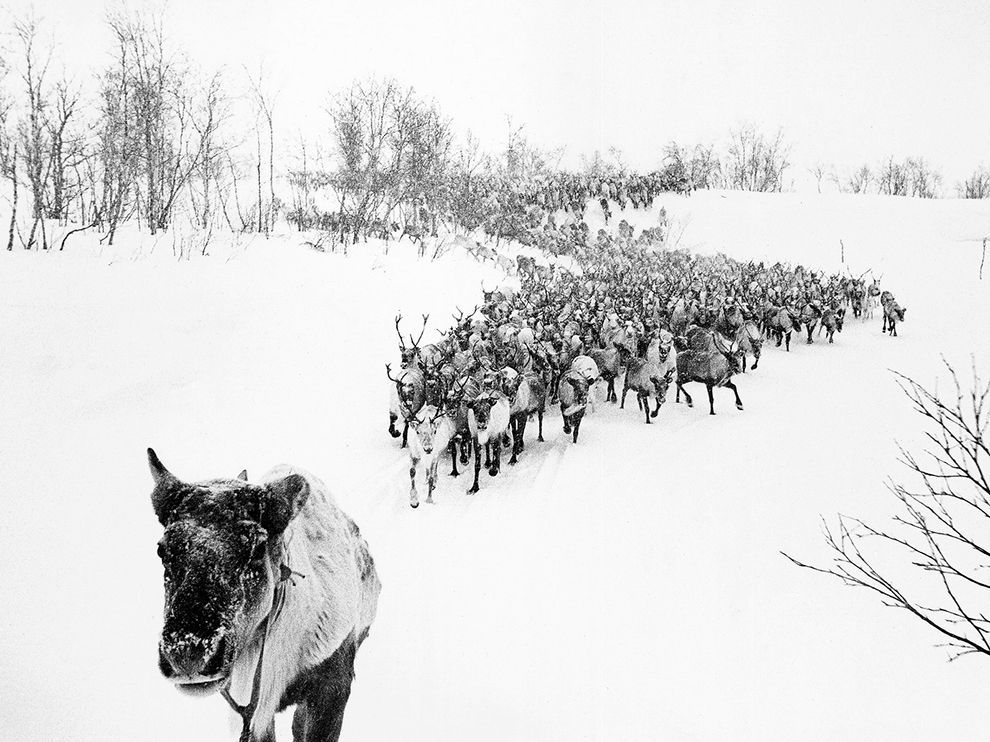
(222,556)
(480,410)
(426,425)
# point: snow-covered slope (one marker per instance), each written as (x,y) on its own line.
(626,588)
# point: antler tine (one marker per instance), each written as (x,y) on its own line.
(415,343)
(398,319)
(388,372)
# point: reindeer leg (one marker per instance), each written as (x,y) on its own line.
(488,453)
(788,337)
(625,388)
(516,441)
(731,385)
(431,478)
(413,495)
(452,446)
(577,427)
(711,400)
(644,404)
(756,359)
(405,433)
(687,397)
(539,417)
(496,466)
(392,417)
(661,391)
(477,467)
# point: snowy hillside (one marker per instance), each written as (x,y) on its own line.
(629,587)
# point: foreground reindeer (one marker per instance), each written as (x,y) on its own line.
(706,359)
(269,592)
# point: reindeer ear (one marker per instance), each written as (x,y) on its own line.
(243,475)
(281,502)
(169,491)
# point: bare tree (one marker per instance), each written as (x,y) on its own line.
(392,156)
(859,181)
(755,161)
(264,111)
(66,150)
(8,152)
(976,185)
(162,112)
(925,182)
(933,560)
(33,129)
(820,172)
(892,178)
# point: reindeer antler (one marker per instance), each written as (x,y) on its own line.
(388,372)
(415,343)
(398,319)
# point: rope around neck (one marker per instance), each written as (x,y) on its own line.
(278,600)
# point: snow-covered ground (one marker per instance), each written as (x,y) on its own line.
(626,588)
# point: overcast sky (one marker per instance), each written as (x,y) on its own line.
(848,81)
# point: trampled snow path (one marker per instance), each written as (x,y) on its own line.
(629,587)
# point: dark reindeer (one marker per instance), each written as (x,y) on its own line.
(811,313)
(269,592)
(832,321)
(704,358)
(645,378)
(780,323)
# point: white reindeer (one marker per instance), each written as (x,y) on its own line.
(432,433)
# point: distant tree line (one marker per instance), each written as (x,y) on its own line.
(160,141)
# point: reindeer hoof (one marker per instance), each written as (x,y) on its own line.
(414,505)
(472,491)
(492,472)
(540,439)
(739,406)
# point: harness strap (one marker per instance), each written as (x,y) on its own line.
(278,601)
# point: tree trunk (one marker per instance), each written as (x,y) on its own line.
(261,209)
(13,209)
(271,174)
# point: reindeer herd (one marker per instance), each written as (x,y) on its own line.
(650,320)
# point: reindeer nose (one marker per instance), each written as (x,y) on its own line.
(428,449)
(190,657)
